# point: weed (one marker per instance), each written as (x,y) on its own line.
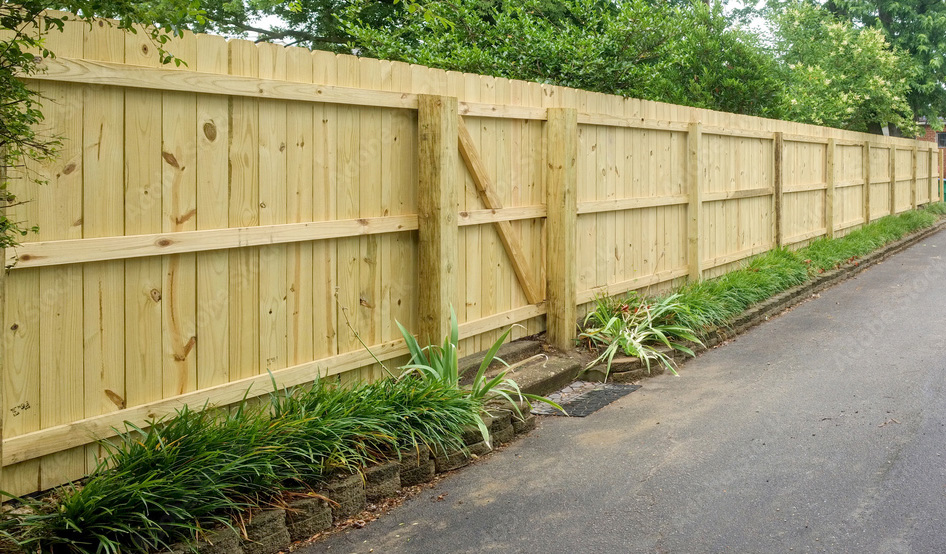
(636,327)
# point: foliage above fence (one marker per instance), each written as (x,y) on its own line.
(208,224)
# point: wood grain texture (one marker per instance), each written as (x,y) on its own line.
(695,208)
(508,235)
(208,222)
(436,207)
(830,193)
(560,181)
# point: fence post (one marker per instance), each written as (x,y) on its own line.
(829,190)
(866,151)
(913,195)
(437,213)
(695,191)
(893,179)
(930,181)
(3,290)
(778,232)
(561,181)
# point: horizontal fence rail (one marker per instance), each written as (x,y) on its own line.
(254,216)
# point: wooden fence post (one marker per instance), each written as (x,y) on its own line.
(930,183)
(893,179)
(438,233)
(695,208)
(561,181)
(778,232)
(3,290)
(866,151)
(913,191)
(829,190)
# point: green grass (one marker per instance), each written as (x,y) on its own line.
(710,303)
(198,469)
(825,254)
(638,327)
(714,302)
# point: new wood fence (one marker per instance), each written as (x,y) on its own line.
(209,224)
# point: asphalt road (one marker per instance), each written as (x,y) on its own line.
(822,430)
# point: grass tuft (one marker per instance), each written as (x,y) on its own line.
(715,302)
(163,484)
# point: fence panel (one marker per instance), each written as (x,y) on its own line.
(252,211)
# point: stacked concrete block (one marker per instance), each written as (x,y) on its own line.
(382,481)
(307,517)
(266,533)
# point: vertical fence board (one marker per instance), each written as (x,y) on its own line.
(147,161)
(695,209)
(103,215)
(829,195)
(300,167)
(244,279)
(560,182)
(61,391)
(273,179)
(143,214)
(179,199)
(370,257)
(213,189)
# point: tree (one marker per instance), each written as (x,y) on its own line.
(686,54)
(917,27)
(22,51)
(309,23)
(841,76)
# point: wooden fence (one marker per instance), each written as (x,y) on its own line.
(209,224)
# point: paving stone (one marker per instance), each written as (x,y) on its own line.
(221,541)
(481,448)
(500,428)
(511,352)
(382,481)
(307,517)
(471,435)
(411,459)
(503,435)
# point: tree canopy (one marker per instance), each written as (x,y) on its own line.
(22,49)
(916,27)
(686,54)
(839,75)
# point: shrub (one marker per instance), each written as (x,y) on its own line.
(164,483)
(637,327)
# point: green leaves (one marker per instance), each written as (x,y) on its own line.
(842,76)
(182,474)
(441,364)
(685,53)
(637,327)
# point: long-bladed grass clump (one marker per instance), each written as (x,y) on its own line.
(825,254)
(198,469)
(708,304)
(711,303)
(638,327)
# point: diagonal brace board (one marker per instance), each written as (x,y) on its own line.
(508,235)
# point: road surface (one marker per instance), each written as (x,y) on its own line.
(822,430)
